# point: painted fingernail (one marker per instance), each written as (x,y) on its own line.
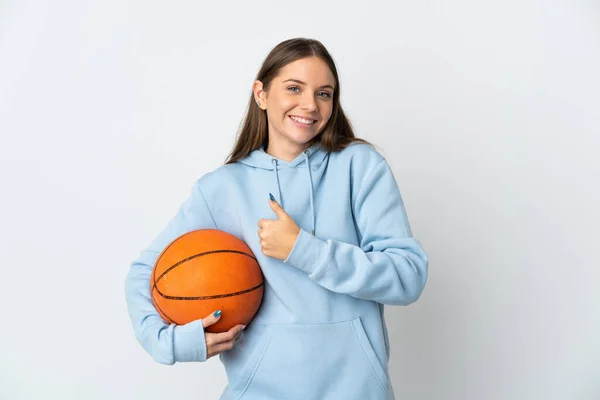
(271,197)
(217,314)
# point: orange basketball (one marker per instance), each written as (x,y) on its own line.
(203,271)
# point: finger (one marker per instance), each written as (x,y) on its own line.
(265,223)
(219,348)
(216,348)
(216,338)
(211,319)
(279,212)
(237,336)
(238,330)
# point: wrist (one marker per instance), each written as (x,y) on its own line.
(291,243)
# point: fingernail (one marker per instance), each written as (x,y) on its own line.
(217,314)
(271,197)
(243,327)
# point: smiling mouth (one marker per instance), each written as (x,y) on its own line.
(302,121)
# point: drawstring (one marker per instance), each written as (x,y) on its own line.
(310,186)
(275,161)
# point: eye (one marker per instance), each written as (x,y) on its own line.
(292,89)
(325,95)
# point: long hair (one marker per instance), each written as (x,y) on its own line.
(336,135)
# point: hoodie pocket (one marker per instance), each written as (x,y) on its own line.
(325,361)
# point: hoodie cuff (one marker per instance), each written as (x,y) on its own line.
(306,252)
(189,343)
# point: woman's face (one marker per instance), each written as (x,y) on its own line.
(299,103)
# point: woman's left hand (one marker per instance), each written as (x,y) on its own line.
(277,237)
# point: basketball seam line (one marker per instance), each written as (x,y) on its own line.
(162,313)
(198,255)
(216,296)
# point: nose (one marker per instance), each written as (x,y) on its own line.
(309,103)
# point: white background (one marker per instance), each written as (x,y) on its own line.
(487,111)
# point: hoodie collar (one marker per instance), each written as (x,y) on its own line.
(312,156)
(259,158)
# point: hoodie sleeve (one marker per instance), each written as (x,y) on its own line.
(166,343)
(389,267)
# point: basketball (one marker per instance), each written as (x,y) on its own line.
(203,271)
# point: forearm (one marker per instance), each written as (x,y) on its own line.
(395,272)
(166,343)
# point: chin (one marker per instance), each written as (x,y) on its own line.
(302,140)
(299,137)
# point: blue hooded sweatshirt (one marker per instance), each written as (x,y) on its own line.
(320,332)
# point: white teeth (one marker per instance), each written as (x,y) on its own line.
(303,121)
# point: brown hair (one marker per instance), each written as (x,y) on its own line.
(336,134)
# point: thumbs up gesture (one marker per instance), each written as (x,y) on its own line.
(277,237)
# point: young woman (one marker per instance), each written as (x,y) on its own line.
(323,214)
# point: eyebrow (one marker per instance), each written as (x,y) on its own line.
(304,83)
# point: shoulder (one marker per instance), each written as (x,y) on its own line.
(218,180)
(359,157)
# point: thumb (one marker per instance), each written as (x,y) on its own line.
(211,319)
(277,209)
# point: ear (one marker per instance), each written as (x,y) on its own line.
(259,94)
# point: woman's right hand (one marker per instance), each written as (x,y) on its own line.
(219,342)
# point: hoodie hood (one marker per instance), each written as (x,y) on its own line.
(312,157)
